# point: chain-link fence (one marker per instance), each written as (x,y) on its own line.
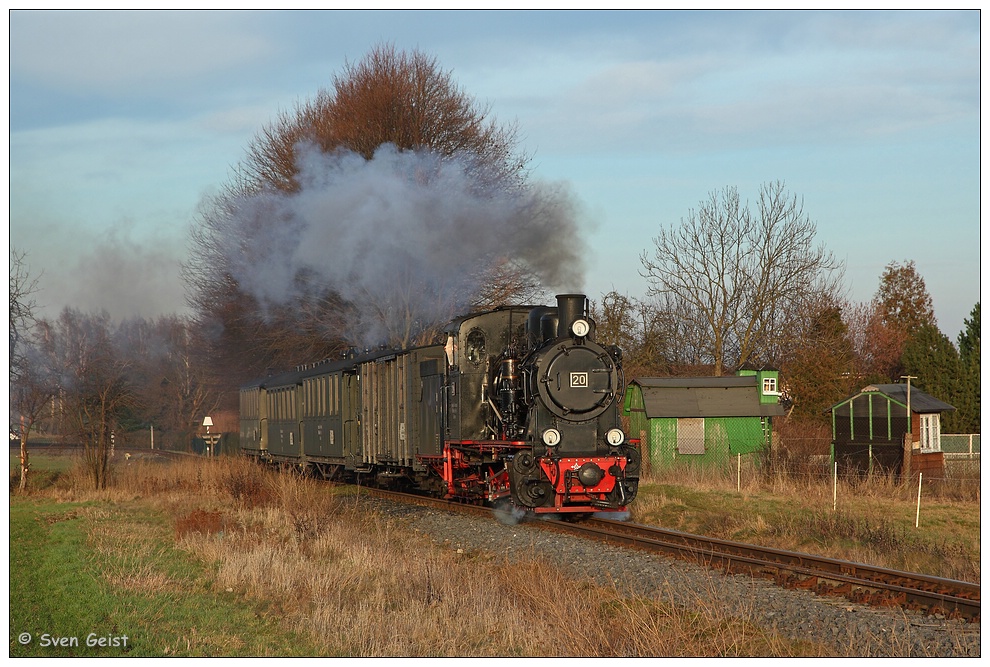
(807,461)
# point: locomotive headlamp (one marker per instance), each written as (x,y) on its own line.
(615,437)
(551,437)
(580,328)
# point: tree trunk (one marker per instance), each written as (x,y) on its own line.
(24,458)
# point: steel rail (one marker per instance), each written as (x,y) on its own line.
(858,582)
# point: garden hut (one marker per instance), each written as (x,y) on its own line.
(703,420)
(870,431)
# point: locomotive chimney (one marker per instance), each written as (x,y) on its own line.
(570,307)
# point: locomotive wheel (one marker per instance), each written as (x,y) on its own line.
(523,463)
(535,493)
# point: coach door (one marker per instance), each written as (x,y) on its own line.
(429,417)
(350,415)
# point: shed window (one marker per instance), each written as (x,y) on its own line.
(690,435)
(930,433)
(770,386)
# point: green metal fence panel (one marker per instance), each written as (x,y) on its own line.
(961,443)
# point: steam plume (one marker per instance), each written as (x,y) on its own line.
(403,235)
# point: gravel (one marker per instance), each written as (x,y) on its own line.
(851,629)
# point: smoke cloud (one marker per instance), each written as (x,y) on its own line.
(405,236)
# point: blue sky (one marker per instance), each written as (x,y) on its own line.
(121,122)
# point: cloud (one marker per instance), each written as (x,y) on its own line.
(753,80)
(112,52)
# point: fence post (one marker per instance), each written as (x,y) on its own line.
(738,473)
(917,516)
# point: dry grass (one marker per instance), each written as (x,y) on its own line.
(327,566)
(302,553)
(869,520)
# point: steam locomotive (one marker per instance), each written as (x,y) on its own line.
(519,406)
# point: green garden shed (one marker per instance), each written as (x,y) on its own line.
(703,420)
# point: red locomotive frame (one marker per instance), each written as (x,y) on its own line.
(471,480)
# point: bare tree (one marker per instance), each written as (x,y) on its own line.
(507,282)
(96,389)
(616,321)
(172,389)
(736,279)
(30,399)
(31,383)
(645,333)
(22,287)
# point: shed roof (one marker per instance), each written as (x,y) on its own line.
(921,402)
(732,396)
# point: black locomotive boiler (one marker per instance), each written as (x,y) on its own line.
(518,403)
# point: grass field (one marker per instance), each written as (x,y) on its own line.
(871,521)
(221,558)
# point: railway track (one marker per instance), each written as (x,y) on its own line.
(865,584)
(857,582)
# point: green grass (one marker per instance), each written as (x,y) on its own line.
(99,570)
(44,471)
(42,462)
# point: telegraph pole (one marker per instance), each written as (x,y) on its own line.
(908,438)
(909,378)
